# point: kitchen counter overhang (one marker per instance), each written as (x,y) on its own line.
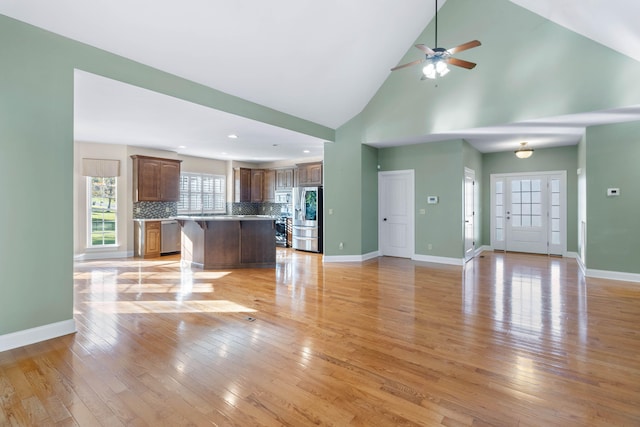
(228,241)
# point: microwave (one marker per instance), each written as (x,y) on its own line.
(283,197)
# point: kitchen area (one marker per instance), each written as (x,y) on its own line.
(288,198)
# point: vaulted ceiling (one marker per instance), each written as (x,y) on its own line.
(320,61)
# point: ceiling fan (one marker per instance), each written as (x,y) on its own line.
(438,57)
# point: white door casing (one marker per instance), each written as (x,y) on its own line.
(396,219)
(528,212)
(469,213)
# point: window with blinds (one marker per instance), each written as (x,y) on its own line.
(202,193)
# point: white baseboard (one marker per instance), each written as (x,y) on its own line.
(350,258)
(482,249)
(37,334)
(439,259)
(613,275)
(102,255)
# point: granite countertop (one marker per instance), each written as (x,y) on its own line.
(226,218)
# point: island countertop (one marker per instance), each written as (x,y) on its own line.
(225,218)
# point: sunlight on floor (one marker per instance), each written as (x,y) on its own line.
(155,307)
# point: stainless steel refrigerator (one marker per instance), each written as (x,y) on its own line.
(307,219)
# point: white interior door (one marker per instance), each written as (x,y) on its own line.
(529,212)
(469,213)
(396,213)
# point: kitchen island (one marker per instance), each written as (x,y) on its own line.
(228,241)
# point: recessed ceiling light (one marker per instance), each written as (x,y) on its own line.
(232,136)
(224,154)
(182,146)
(306,151)
(275,145)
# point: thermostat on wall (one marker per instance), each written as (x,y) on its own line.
(613,191)
(432,200)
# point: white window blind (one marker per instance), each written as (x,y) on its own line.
(202,193)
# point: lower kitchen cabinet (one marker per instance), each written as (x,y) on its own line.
(147,239)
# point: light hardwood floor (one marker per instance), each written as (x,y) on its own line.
(511,339)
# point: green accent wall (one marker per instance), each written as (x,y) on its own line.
(438,170)
(369,223)
(550,159)
(36,160)
(343,192)
(612,161)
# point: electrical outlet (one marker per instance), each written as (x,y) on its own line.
(341,246)
(423,211)
(429,246)
(167,209)
(137,210)
(330,211)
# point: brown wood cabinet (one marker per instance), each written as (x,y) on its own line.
(269,186)
(147,239)
(309,174)
(242,185)
(155,179)
(284,179)
(257,185)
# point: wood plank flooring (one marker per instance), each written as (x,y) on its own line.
(508,340)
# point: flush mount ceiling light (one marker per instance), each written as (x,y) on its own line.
(232,136)
(523,152)
(438,57)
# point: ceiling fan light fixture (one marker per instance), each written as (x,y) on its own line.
(429,71)
(524,152)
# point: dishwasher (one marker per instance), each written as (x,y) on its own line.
(170,237)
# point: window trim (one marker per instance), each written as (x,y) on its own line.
(89,227)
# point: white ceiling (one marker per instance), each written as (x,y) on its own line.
(302,58)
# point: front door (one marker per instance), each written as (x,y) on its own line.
(396,213)
(529,212)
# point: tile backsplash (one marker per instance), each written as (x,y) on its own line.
(152,210)
(147,210)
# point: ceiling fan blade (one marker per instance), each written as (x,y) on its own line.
(425,49)
(417,61)
(460,63)
(464,46)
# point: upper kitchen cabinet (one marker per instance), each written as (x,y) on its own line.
(269,187)
(155,179)
(284,179)
(257,185)
(242,185)
(309,174)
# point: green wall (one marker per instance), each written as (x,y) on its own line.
(550,159)
(438,170)
(612,160)
(343,192)
(36,161)
(369,223)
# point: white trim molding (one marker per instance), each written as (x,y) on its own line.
(37,334)
(350,258)
(612,275)
(439,259)
(102,255)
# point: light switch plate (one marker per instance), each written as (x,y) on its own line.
(613,192)
(432,200)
